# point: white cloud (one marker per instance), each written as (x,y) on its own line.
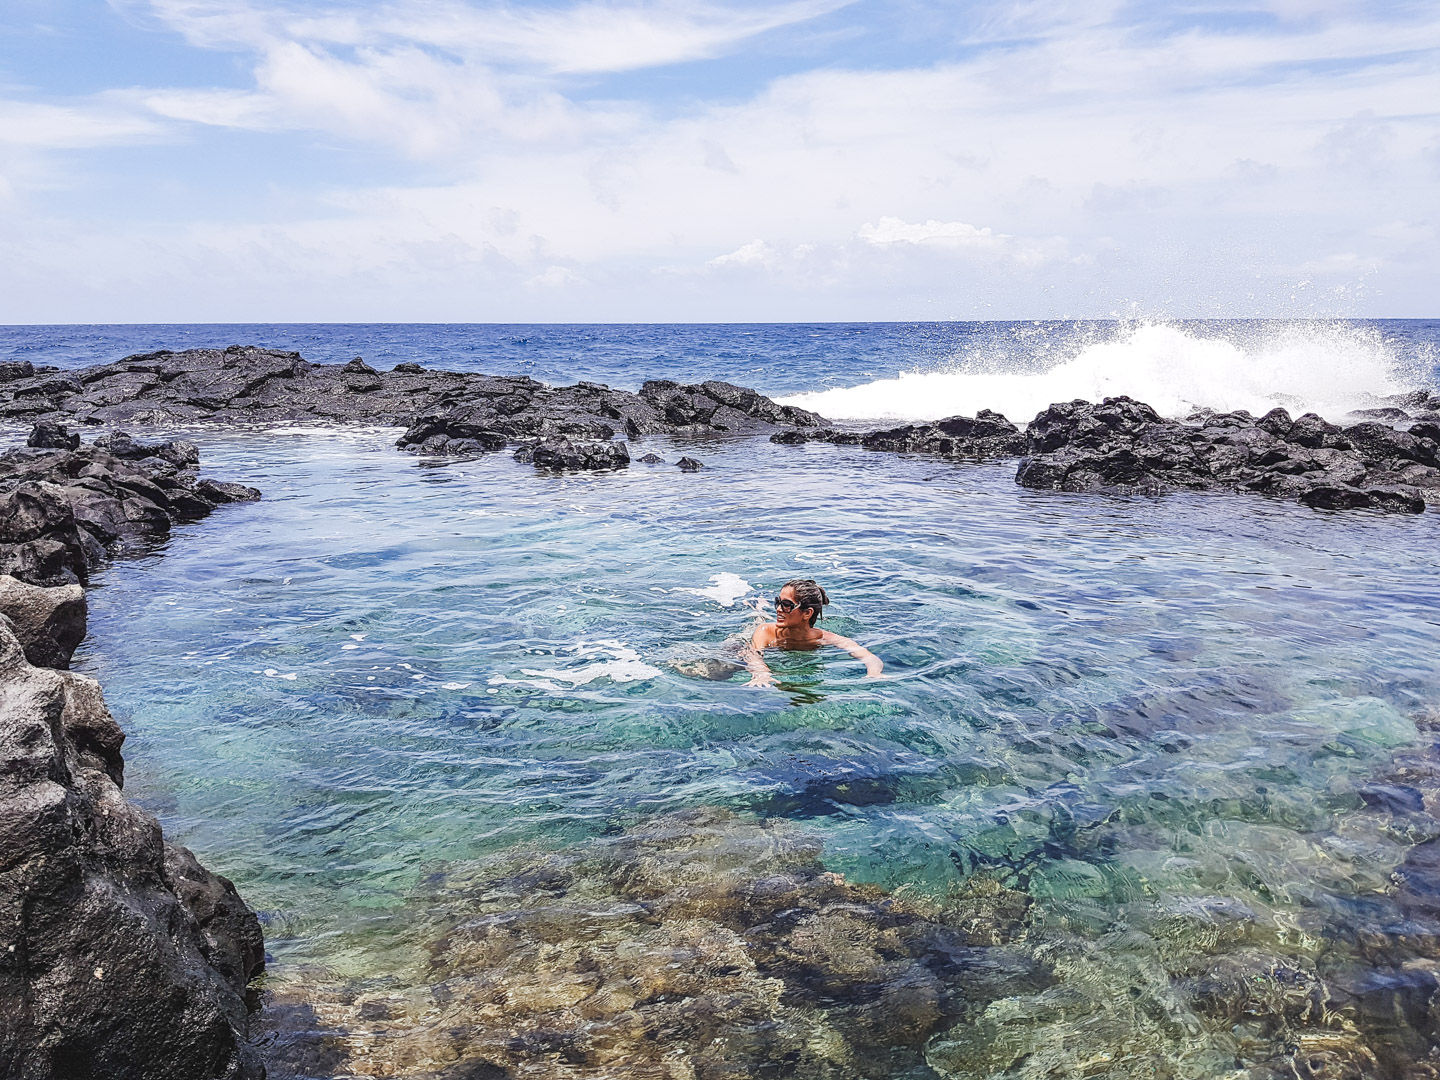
(755,253)
(892,230)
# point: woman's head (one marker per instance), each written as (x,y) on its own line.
(809,599)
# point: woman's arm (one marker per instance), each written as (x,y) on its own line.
(760,674)
(873,666)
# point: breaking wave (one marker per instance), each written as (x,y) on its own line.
(1330,369)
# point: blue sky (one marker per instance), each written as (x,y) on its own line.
(456,160)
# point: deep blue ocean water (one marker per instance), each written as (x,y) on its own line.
(389,667)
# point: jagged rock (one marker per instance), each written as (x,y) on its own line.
(441,435)
(245,384)
(50,623)
(988,434)
(561,453)
(1123,446)
(120,956)
(61,511)
(52,436)
(652,459)
(689,464)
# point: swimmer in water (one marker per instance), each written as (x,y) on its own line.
(796,609)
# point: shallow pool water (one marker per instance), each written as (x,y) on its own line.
(391,668)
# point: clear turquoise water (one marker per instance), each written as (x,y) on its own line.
(386,667)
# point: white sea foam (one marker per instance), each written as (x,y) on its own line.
(620,664)
(1324,368)
(727,588)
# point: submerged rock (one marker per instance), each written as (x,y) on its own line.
(120,955)
(700,942)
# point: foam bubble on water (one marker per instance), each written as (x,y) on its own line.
(622,664)
(273,674)
(727,588)
(1329,369)
(454,685)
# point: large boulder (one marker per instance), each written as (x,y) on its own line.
(50,623)
(121,957)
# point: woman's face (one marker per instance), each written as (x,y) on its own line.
(796,616)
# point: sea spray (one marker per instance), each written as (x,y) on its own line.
(1326,368)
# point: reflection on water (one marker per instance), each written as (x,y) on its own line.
(1149,789)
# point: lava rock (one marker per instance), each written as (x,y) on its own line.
(46,435)
(986,435)
(49,623)
(358,366)
(562,453)
(689,464)
(122,956)
(63,511)
(652,459)
(1124,446)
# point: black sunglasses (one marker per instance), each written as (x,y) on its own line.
(786,606)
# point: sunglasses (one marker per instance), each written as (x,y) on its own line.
(785,606)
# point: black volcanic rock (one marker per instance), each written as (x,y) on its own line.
(1122,445)
(50,623)
(121,955)
(689,464)
(559,452)
(62,510)
(985,435)
(246,384)
(53,437)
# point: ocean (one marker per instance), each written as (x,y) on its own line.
(392,673)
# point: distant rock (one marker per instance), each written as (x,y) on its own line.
(652,459)
(52,437)
(986,435)
(1122,445)
(689,464)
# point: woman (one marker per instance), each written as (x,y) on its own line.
(797,607)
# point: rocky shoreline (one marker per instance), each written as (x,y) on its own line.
(122,956)
(1388,462)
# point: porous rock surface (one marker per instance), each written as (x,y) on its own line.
(985,435)
(62,510)
(1122,445)
(50,623)
(246,384)
(120,956)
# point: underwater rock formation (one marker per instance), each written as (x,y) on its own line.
(120,956)
(63,510)
(1122,445)
(699,945)
(246,384)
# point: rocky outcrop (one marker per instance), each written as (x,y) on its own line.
(62,510)
(985,435)
(1122,445)
(244,384)
(562,454)
(120,956)
(50,623)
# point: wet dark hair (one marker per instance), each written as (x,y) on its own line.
(808,595)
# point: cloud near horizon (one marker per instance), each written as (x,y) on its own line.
(437,159)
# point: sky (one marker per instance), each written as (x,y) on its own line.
(798,160)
